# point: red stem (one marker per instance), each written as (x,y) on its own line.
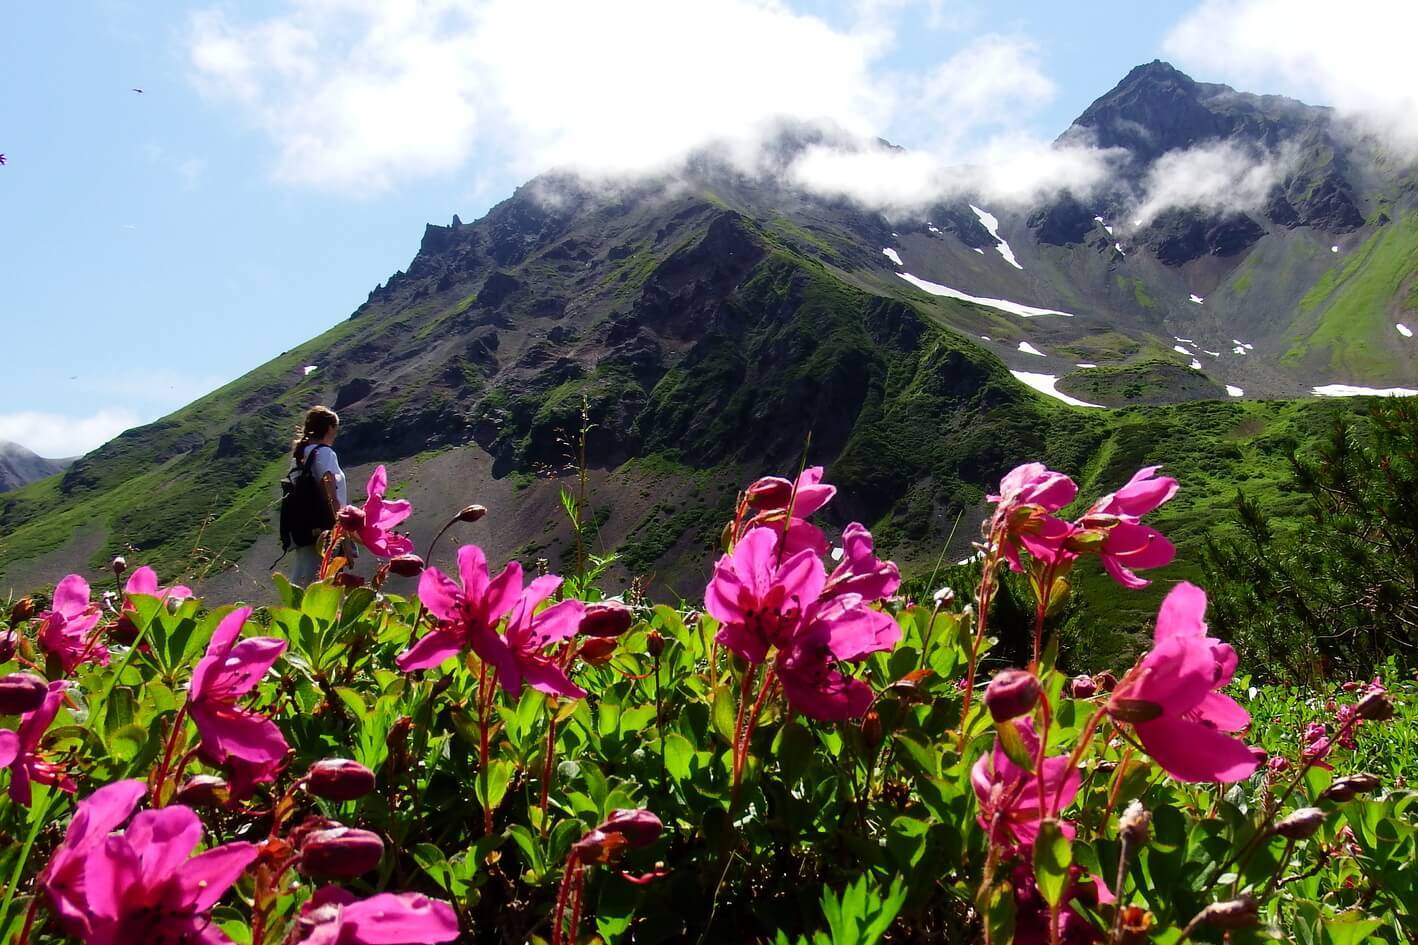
(768,682)
(558,913)
(30,914)
(576,905)
(547,760)
(485,693)
(983,596)
(178,726)
(1041,609)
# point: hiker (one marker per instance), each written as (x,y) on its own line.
(315,494)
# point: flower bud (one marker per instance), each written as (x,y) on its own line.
(1012,693)
(1135,826)
(1135,927)
(871,728)
(1375,707)
(119,565)
(23,610)
(339,779)
(1278,763)
(1346,788)
(347,579)
(1082,687)
(351,518)
(9,643)
(1133,710)
(204,790)
(597,651)
(406,565)
(20,693)
(1106,681)
(1232,914)
(606,619)
(1299,824)
(471,513)
(655,643)
(340,853)
(944,597)
(770,492)
(640,827)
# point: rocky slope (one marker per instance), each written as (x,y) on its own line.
(19,466)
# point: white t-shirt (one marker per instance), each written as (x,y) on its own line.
(325,461)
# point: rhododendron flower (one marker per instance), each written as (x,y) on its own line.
(1027,495)
(758,600)
(860,570)
(144,885)
(248,743)
(771,497)
(1009,795)
(1171,700)
(97,816)
(840,629)
(66,626)
(1129,544)
(522,656)
(145,581)
(334,916)
(467,615)
(379,517)
(19,750)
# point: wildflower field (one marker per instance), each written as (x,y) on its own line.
(806,754)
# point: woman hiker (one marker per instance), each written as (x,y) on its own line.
(314,454)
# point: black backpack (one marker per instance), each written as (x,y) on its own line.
(304,511)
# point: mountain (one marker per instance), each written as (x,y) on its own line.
(709,321)
(19,466)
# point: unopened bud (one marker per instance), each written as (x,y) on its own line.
(598,651)
(1135,826)
(120,564)
(9,643)
(770,492)
(655,643)
(340,853)
(1082,687)
(204,790)
(944,597)
(1106,681)
(871,728)
(339,779)
(1346,788)
(23,610)
(347,579)
(640,827)
(606,619)
(1299,824)
(1012,693)
(1133,710)
(21,693)
(1232,914)
(1377,706)
(351,518)
(406,565)
(471,513)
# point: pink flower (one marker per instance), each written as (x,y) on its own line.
(758,600)
(1031,911)
(522,656)
(860,571)
(1170,696)
(771,496)
(379,517)
(335,917)
(1027,494)
(467,615)
(842,629)
(98,815)
(247,742)
(19,750)
(1129,544)
(145,581)
(144,885)
(65,628)
(1009,795)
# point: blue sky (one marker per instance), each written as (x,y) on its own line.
(284,155)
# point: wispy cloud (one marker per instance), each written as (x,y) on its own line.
(1219,178)
(59,435)
(1357,57)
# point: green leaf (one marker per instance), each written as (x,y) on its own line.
(679,753)
(321,602)
(1053,855)
(1013,744)
(724,714)
(491,785)
(1349,928)
(794,747)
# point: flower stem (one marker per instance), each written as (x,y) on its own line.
(983,595)
(547,758)
(558,914)
(178,727)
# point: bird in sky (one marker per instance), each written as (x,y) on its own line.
(2,159)
(139,91)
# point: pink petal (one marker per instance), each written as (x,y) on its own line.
(434,648)
(830,697)
(112,872)
(243,667)
(722,595)
(502,592)
(749,646)
(163,840)
(438,594)
(71,596)
(34,724)
(858,631)
(378,482)
(401,919)
(1182,613)
(754,559)
(539,590)
(1190,751)
(1223,712)
(803,536)
(1177,674)
(811,493)
(1143,493)
(472,568)
(142,581)
(229,730)
(556,623)
(9,747)
(210,666)
(545,676)
(802,577)
(208,876)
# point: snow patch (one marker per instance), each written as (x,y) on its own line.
(1086,364)
(932,227)
(978,250)
(892,255)
(1214,354)
(1004,305)
(1237,341)
(1099,221)
(1195,365)
(1404,330)
(1334,249)
(1185,341)
(991,223)
(1180,350)
(1233,391)
(1238,350)
(986,338)
(1119,248)
(1195,298)
(1027,348)
(309,369)
(1044,384)
(1350,390)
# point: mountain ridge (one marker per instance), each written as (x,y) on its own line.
(20,466)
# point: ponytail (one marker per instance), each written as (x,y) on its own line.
(318,421)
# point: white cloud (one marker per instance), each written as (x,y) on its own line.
(1218,178)
(58,436)
(1357,57)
